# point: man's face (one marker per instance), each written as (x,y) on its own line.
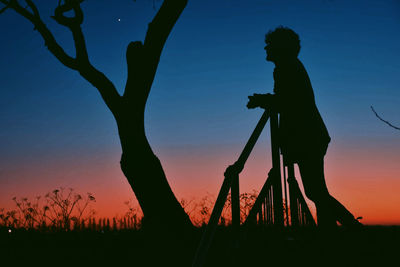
(269,51)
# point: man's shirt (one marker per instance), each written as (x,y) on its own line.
(302,131)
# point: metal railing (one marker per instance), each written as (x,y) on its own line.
(268,209)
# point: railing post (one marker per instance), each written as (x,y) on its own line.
(294,209)
(286,211)
(276,165)
(235,198)
(299,211)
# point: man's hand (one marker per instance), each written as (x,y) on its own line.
(258,100)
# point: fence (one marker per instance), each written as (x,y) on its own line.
(268,208)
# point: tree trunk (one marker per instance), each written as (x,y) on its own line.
(146,176)
(140,165)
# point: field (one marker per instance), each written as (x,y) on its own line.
(370,246)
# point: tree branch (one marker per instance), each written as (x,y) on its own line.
(159,30)
(91,74)
(143,58)
(33,8)
(81,62)
(48,37)
(388,123)
(135,60)
(4,8)
(74,24)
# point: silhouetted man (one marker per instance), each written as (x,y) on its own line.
(303,137)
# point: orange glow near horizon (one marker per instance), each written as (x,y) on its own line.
(57,130)
(366,183)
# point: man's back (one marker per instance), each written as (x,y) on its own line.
(301,128)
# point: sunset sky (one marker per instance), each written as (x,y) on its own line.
(55,131)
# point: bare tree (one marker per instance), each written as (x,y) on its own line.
(140,165)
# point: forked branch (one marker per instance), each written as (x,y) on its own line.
(81,61)
(160,28)
(143,58)
(48,37)
(74,24)
(4,8)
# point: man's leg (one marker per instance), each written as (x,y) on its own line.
(329,210)
(312,176)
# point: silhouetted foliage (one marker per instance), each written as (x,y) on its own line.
(200,210)
(64,209)
(61,209)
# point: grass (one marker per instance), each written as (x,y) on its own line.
(60,229)
(370,246)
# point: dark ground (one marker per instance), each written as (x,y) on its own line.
(369,246)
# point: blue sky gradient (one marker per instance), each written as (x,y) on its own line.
(212,61)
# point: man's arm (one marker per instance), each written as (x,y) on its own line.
(264,101)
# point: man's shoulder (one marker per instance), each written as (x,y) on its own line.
(291,69)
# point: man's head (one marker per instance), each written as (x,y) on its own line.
(281,44)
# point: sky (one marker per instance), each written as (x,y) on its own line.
(55,131)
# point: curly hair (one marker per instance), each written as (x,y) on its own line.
(285,39)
